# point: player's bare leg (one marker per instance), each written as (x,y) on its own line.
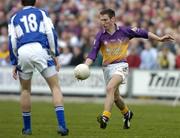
(109,100)
(57,98)
(55,89)
(110,90)
(123,108)
(25,101)
(119,102)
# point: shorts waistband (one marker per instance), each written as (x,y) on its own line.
(116,62)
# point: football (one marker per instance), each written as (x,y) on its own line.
(81,71)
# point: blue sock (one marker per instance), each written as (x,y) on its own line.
(26,120)
(60,116)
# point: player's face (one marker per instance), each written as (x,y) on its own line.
(106,21)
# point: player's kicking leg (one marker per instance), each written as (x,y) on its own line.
(58,103)
(26,105)
(109,101)
(124,109)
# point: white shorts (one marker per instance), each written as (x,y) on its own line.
(121,69)
(31,56)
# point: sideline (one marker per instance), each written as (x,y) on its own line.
(100,100)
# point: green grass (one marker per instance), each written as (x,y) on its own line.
(150,121)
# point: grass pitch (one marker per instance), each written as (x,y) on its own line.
(149,121)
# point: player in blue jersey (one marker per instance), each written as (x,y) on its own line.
(113,41)
(32,40)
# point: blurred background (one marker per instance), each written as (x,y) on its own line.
(154,66)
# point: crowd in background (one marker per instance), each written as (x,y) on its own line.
(76,22)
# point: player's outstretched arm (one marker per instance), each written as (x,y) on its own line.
(161,39)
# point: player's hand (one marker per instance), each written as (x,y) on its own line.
(58,66)
(14,72)
(166,38)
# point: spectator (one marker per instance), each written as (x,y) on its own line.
(178,59)
(78,57)
(148,57)
(166,58)
(66,55)
(77,18)
(4,54)
(133,58)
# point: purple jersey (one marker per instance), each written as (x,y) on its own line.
(114,46)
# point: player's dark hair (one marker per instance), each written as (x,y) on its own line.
(28,2)
(109,12)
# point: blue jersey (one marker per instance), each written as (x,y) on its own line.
(31,25)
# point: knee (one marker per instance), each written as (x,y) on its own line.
(25,89)
(55,89)
(110,89)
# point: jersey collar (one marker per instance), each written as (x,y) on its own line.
(116,27)
(27,7)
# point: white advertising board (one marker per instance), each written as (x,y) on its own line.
(94,85)
(159,83)
(7,83)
